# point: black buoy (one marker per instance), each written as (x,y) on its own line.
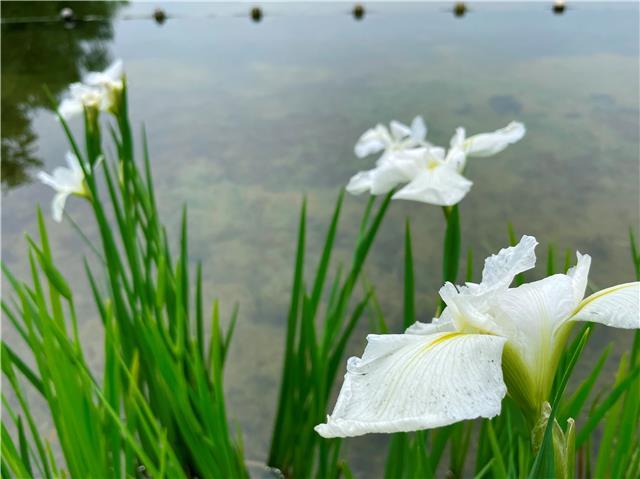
(358,11)
(559,7)
(459,9)
(256,14)
(67,15)
(159,16)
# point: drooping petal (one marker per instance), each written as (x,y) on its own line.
(618,306)
(57,206)
(441,186)
(408,382)
(372,141)
(418,130)
(487,144)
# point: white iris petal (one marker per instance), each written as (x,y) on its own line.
(65,181)
(452,369)
(432,175)
(406,382)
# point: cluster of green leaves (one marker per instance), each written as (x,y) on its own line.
(609,423)
(314,350)
(159,409)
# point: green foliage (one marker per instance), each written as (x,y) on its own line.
(314,350)
(159,408)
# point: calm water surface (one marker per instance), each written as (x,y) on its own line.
(244,118)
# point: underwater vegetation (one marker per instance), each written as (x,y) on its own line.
(498,367)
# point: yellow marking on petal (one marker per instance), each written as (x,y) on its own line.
(432,164)
(444,337)
(599,295)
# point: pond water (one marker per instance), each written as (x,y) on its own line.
(244,118)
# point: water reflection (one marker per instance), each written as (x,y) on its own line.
(44,50)
(243,118)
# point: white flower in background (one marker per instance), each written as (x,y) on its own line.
(489,340)
(397,137)
(433,177)
(111,78)
(80,97)
(97,91)
(487,144)
(65,181)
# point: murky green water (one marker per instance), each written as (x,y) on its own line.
(244,118)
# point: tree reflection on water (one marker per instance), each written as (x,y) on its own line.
(39,49)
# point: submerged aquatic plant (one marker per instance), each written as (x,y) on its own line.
(432,175)
(66,182)
(489,340)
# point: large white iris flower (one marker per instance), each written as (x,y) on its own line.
(65,181)
(432,175)
(491,339)
(97,91)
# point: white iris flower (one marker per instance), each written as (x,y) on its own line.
(65,181)
(97,91)
(432,176)
(491,339)
(396,138)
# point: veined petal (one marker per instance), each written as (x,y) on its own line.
(487,144)
(437,325)
(531,315)
(408,382)
(442,186)
(57,206)
(617,306)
